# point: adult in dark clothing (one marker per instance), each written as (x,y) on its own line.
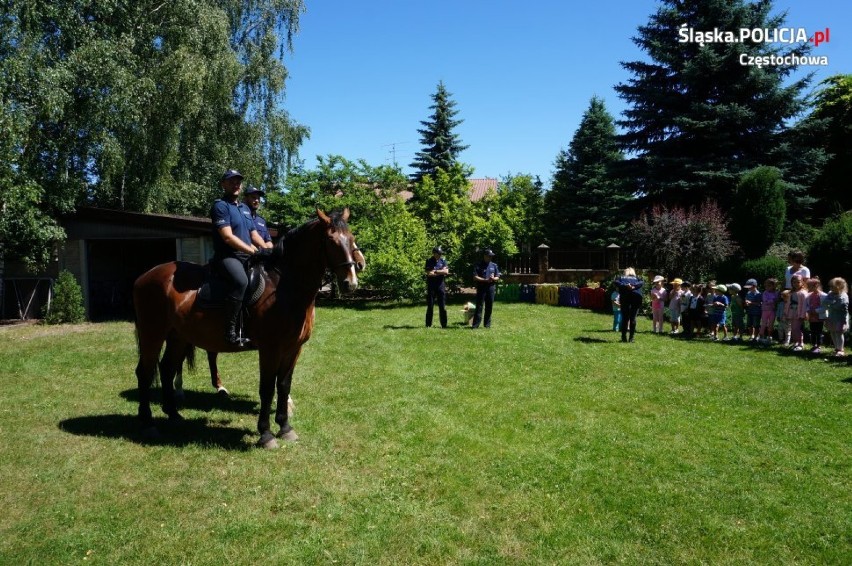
(235,239)
(630,296)
(436,292)
(251,198)
(485,275)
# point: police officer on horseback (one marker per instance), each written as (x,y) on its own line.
(235,239)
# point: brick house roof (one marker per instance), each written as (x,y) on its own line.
(477,191)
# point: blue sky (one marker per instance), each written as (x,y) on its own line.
(521,73)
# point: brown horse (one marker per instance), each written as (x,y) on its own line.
(279,323)
(212,357)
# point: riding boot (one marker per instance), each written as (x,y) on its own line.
(232,312)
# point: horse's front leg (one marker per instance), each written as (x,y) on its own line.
(282,414)
(268,374)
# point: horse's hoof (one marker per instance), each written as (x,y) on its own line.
(267,441)
(150,433)
(289,436)
(222,391)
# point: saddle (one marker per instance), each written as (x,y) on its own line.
(213,291)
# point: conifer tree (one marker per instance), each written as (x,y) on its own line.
(441,147)
(585,205)
(700,115)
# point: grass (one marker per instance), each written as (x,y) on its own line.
(540,440)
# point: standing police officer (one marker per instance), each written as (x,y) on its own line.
(235,238)
(436,271)
(485,274)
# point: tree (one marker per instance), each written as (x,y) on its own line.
(831,252)
(394,241)
(520,201)
(140,107)
(685,243)
(586,202)
(833,119)
(698,117)
(396,248)
(760,211)
(441,146)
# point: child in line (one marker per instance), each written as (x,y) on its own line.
(674,304)
(816,313)
(709,307)
(737,312)
(616,310)
(752,303)
(795,310)
(837,303)
(769,298)
(685,301)
(696,310)
(720,308)
(658,304)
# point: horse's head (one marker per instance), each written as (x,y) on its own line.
(339,249)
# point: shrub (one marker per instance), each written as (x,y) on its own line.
(758,217)
(762,269)
(67,305)
(831,252)
(689,244)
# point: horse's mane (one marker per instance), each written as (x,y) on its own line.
(294,236)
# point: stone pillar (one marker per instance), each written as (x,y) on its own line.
(543,262)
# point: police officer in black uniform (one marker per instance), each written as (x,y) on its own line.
(485,275)
(235,238)
(436,291)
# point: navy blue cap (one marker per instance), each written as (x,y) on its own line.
(252,190)
(488,252)
(437,250)
(231,173)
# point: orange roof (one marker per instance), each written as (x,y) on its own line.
(481,187)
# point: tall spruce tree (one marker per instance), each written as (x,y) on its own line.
(832,117)
(698,116)
(586,202)
(441,147)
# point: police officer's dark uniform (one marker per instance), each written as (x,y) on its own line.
(436,291)
(259,221)
(630,297)
(228,211)
(484,274)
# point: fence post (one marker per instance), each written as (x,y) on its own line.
(612,253)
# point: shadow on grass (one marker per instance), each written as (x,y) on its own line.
(450,326)
(190,432)
(589,340)
(204,401)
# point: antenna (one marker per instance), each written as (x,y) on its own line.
(392,149)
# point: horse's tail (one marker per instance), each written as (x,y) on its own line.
(189,356)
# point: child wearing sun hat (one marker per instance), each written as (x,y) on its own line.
(718,319)
(737,312)
(752,302)
(658,303)
(674,304)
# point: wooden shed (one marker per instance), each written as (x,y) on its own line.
(106,250)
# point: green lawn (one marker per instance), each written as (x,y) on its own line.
(542,440)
